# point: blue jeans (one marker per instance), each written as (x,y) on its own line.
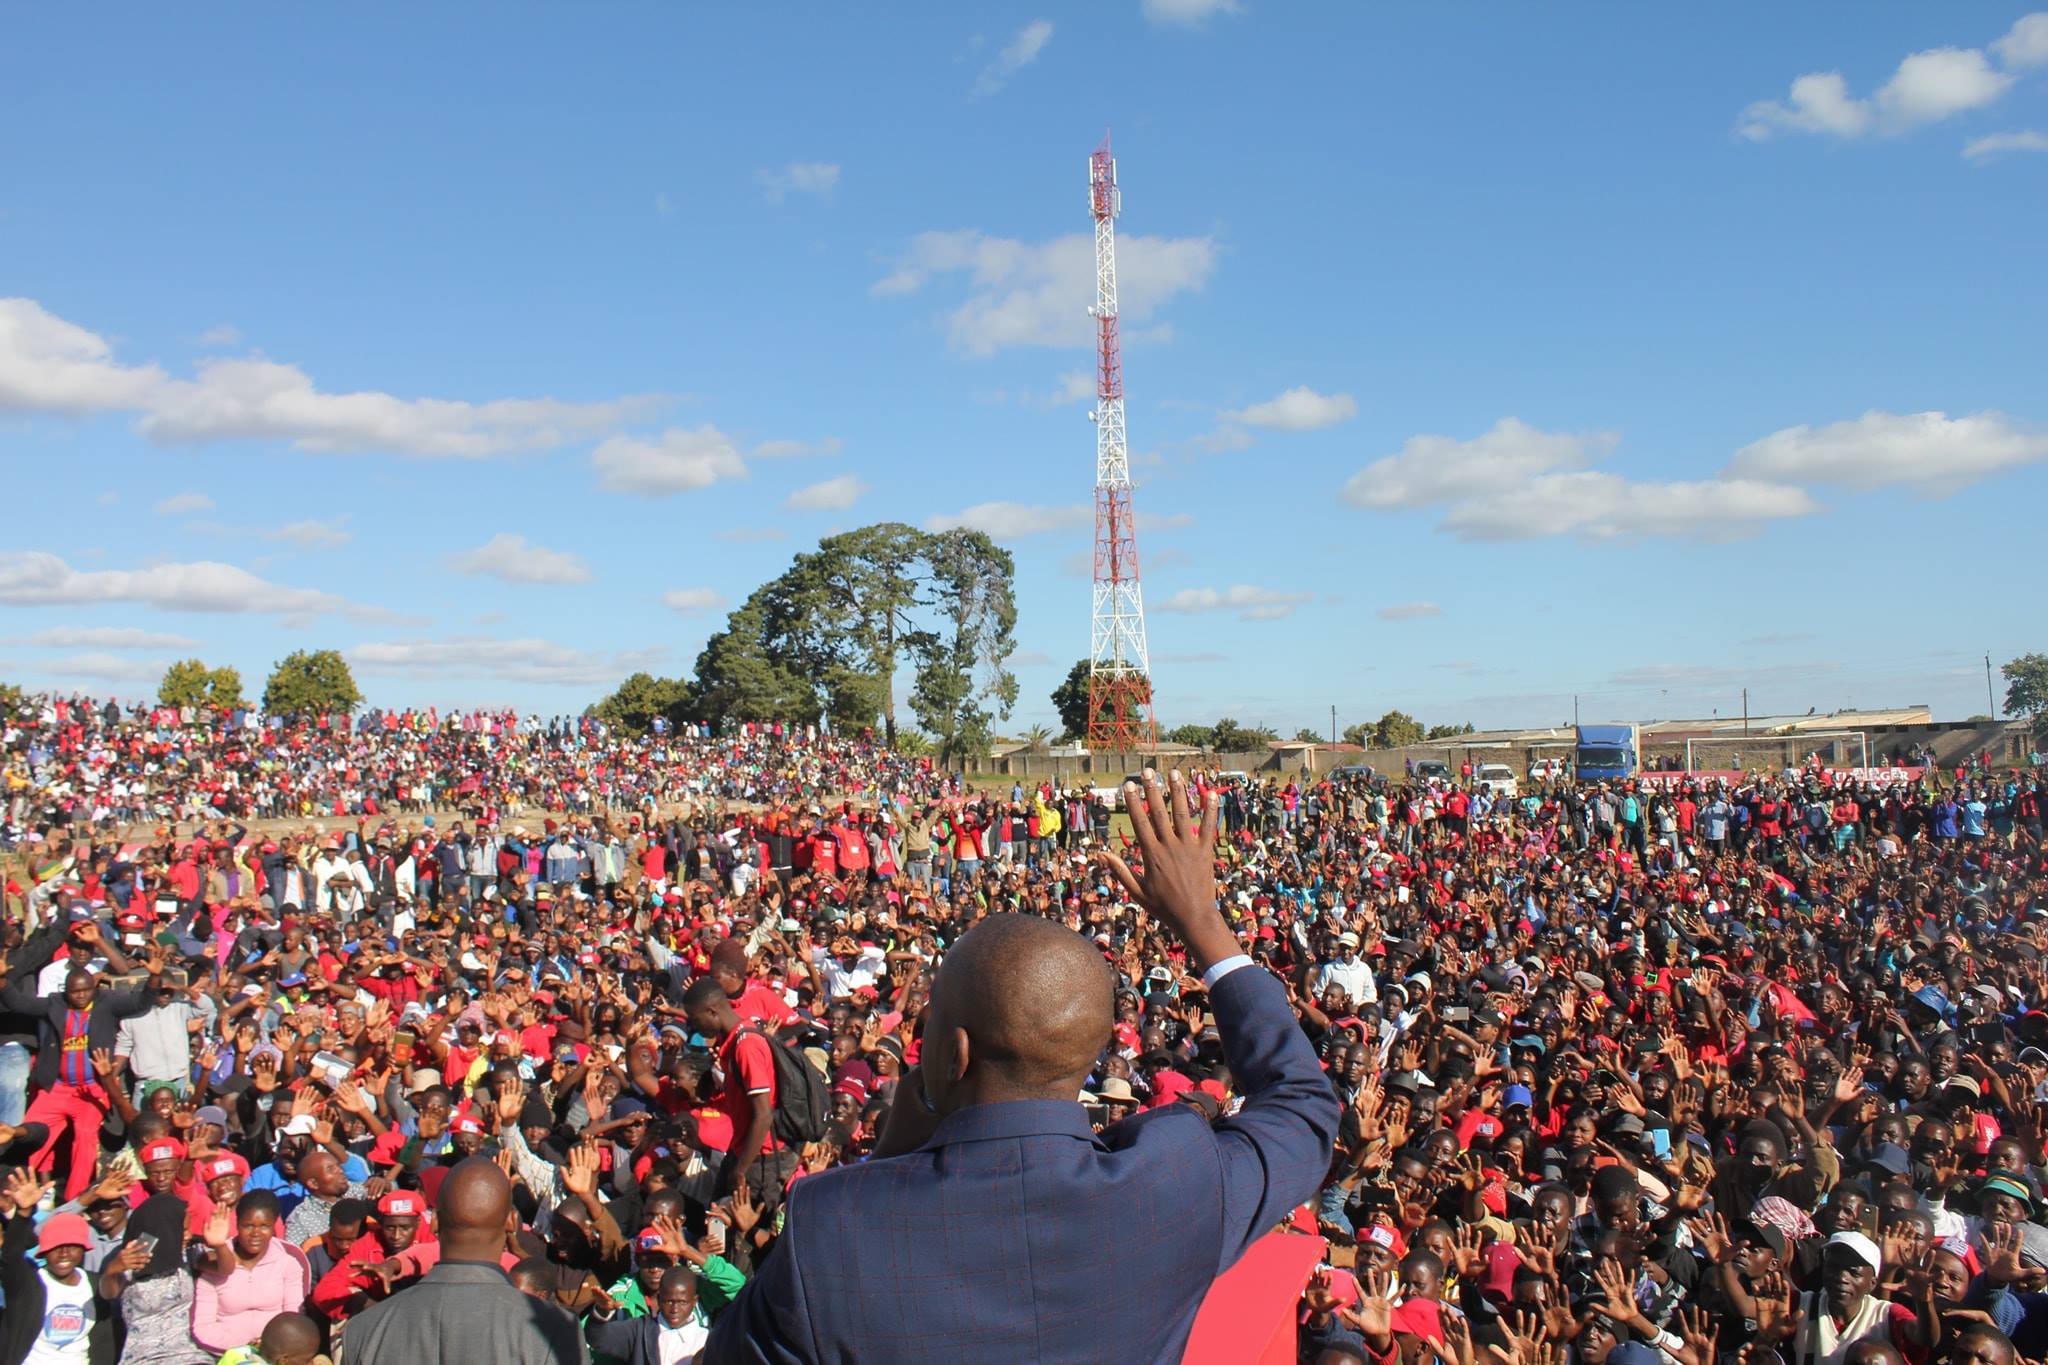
(15,1062)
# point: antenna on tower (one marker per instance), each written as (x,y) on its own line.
(1119,666)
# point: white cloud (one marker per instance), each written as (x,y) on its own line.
(50,365)
(313,535)
(227,334)
(1037,294)
(827,495)
(692,599)
(1186,13)
(677,461)
(1929,450)
(1298,409)
(1600,506)
(1075,386)
(263,400)
(1434,469)
(2025,44)
(1977,149)
(1012,520)
(786,450)
(1927,87)
(105,668)
(523,661)
(1409,611)
(1247,602)
(515,559)
(106,637)
(178,504)
(33,578)
(798,177)
(1021,51)
(1819,102)
(1518,483)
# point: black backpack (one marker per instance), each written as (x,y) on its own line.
(801,1100)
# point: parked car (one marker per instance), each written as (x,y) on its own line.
(1352,770)
(1433,770)
(1546,770)
(1497,780)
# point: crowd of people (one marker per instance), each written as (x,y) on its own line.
(1618,1074)
(78,761)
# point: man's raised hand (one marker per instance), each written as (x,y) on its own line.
(1179,882)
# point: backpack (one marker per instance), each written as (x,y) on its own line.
(801,1099)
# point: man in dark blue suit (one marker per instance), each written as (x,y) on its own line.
(993,1224)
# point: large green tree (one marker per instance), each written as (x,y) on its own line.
(1396,729)
(310,682)
(741,676)
(1200,736)
(868,585)
(189,682)
(964,683)
(1450,731)
(1070,699)
(2026,689)
(642,699)
(1359,734)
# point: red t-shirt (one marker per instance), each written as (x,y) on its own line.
(746,1068)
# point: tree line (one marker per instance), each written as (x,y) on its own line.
(303,682)
(1227,736)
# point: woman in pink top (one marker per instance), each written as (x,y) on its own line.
(253,1276)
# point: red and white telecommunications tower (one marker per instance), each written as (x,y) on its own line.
(1119,668)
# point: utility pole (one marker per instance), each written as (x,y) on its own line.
(1575,710)
(1333,724)
(1990,703)
(1745,710)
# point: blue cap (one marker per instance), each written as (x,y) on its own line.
(430,822)
(1517,1094)
(295,979)
(1932,999)
(1530,1040)
(1889,1156)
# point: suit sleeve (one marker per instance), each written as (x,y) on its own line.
(769,1322)
(1274,1151)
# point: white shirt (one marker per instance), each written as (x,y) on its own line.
(1354,976)
(679,1345)
(65,1337)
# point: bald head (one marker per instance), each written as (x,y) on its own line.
(1024,1008)
(474,1209)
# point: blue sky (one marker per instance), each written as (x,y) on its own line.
(1476,358)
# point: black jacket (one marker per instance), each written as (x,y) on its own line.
(23,1320)
(108,1010)
(635,1341)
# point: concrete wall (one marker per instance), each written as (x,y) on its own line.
(1953,742)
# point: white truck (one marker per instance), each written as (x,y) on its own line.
(1497,780)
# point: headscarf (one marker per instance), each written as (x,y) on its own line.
(162,1215)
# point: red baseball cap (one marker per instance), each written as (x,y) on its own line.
(214,1167)
(467,1123)
(401,1204)
(162,1149)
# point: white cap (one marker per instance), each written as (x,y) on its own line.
(1862,1246)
